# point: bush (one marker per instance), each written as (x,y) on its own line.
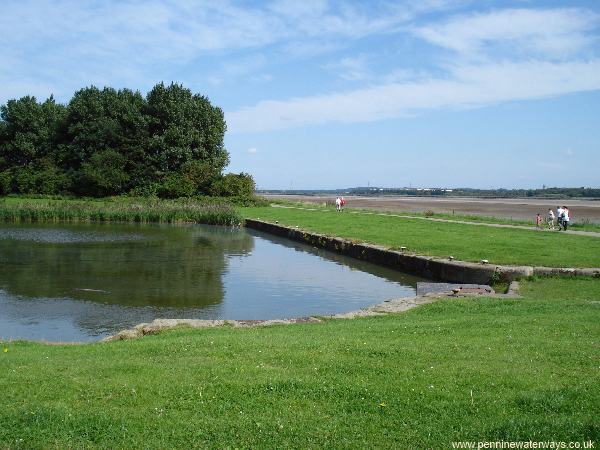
(6,181)
(176,185)
(103,174)
(233,185)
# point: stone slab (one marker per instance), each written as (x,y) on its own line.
(425,288)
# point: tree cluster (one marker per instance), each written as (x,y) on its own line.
(109,142)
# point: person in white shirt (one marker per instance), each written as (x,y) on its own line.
(338,204)
(566,218)
(559,216)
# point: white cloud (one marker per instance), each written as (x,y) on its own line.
(467,87)
(239,67)
(549,32)
(253,150)
(262,78)
(69,43)
(351,68)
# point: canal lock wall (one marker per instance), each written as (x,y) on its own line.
(435,268)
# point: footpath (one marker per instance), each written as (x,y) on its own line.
(435,219)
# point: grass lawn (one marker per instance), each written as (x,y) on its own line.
(459,369)
(464,242)
(584,225)
(476,369)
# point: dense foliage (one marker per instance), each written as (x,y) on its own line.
(107,142)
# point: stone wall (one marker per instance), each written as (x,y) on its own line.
(428,267)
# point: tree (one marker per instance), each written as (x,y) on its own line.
(29,131)
(183,128)
(29,134)
(105,120)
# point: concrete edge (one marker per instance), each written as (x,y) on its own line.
(393,306)
(449,270)
(158,325)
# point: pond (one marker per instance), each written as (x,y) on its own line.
(82,282)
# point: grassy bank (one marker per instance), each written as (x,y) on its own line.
(119,209)
(460,369)
(463,241)
(581,225)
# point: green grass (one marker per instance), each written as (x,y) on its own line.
(477,369)
(118,209)
(459,369)
(463,241)
(583,225)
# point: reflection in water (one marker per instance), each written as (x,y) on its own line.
(80,282)
(159,266)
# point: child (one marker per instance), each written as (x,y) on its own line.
(538,221)
(551,219)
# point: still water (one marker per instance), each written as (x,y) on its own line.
(83,282)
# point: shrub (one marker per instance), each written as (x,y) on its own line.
(234,185)
(103,174)
(6,181)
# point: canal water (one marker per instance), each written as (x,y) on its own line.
(82,282)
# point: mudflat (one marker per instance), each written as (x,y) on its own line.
(517,208)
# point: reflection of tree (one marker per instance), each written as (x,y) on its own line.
(174,266)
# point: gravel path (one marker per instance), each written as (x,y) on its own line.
(434,219)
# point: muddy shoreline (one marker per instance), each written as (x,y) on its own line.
(509,208)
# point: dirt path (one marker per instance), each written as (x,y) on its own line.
(517,208)
(433,219)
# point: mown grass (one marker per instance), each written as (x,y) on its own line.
(582,225)
(463,241)
(119,209)
(460,369)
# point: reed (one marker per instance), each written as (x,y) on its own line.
(119,209)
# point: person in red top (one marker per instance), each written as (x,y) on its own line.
(343,203)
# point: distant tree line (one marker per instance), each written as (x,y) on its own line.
(109,142)
(554,192)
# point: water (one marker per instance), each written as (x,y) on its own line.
(83,282)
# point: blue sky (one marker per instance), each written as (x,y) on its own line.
(333,94)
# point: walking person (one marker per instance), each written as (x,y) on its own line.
(338,204)
(566,218)
(538,221)
(551,219)
(342,203)
(559,216)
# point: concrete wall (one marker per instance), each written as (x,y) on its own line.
(428,267)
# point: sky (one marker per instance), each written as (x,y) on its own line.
(325,94)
